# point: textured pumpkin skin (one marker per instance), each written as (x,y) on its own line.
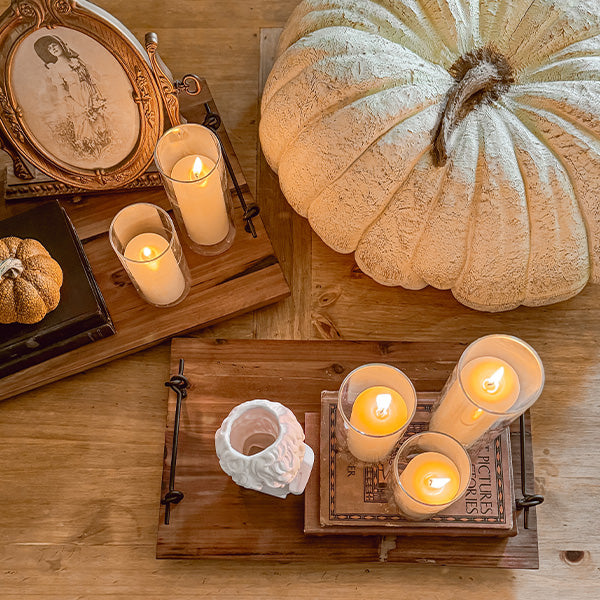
(348,117)
(36,291)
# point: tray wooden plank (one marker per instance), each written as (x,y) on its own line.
(218,519)
(246,277)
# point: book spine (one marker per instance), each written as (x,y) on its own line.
(34,358)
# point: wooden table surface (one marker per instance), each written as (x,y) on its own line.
(81,460)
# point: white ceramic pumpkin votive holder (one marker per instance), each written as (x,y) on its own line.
(260,445)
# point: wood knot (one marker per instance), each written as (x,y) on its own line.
(325,326)
(329,297)
(337,368)
(384,347)
(120,279)
(573,557)
(355,272)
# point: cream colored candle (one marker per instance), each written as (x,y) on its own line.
(429,480)
(201,203)
(159,277)
(377,411)
(491,384)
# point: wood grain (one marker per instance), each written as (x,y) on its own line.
(81,459)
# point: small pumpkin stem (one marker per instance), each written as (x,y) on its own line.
(483,75)
(11,267)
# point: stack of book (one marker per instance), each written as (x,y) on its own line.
(81,316)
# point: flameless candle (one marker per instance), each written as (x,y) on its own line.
(497,378)
(376,403)
(192,165)
(377,411)
(431,478)
(430,472)
(491,384)
(145,241)
(202,203)
(155,269)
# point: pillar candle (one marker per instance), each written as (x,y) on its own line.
(488,384)
(159,277)
(377,411)
(429,480)
(201,203)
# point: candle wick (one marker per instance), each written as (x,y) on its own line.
(438,482)
(383,401)
(492,383)
(197,168)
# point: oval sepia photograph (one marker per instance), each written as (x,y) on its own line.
(76,99)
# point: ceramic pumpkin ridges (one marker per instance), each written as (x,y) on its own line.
(513,217)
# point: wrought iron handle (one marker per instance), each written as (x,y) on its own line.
(178,383)
(213,121)
(528,500)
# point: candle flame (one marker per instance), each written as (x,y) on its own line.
(492,383)
(477,414)
(197,168)
(384,401)
(438,482)
(149,254)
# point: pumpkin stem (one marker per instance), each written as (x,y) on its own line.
(482,76)
(11,267)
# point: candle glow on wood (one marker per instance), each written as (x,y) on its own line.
(201,201)
(153,266)
(377,411)
(490,384)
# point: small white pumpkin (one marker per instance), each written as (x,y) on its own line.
(454,143)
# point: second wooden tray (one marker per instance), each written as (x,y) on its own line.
(246,277)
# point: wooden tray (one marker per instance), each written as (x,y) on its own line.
(356,498)
(246,277)
(218,519)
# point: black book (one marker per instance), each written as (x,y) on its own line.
(81,316)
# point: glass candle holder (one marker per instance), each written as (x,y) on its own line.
(144,238)
(430,472)
(497,378)
(189,158)
(377,402)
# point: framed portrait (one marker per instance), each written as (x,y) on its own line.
(78,97)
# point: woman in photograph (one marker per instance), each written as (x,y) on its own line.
(82,123)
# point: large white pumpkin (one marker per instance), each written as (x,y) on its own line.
(454,143)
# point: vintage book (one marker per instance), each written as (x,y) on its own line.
(357,498)
(81,316)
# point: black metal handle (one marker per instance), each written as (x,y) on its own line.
(528,500)
(178,383)
(213,121)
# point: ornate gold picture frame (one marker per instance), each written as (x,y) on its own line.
(78,97)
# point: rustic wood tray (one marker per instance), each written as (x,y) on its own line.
(218,519)
(246,277)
